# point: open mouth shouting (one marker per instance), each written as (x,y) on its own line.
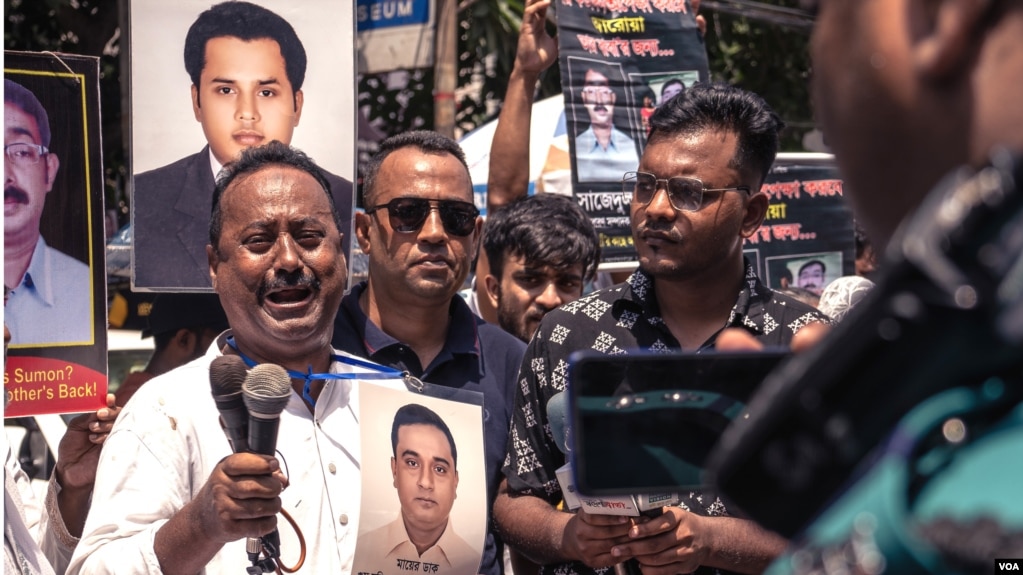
(288,291)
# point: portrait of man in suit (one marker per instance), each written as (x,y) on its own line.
(603,152)
(424,468)
(247,66)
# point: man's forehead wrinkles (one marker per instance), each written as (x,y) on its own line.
(275,176)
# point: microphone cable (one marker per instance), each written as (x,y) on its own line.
(294,525)
(301,546)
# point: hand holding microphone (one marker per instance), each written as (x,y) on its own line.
(250,406)
(601,523)
(266,392)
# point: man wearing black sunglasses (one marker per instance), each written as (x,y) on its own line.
(694,199)
(419,231)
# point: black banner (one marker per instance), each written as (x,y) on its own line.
(807,237)
(619,60)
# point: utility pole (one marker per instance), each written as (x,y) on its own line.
(445,68)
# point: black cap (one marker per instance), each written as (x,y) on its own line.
(174,311)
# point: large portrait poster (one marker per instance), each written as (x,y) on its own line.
(619,60)
(53,235)
(209,79)
(807,238)
(424,500)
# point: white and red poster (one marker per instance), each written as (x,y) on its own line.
(54,266)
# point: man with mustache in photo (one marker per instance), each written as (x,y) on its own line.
(424,467)
(50,301)
(603,152)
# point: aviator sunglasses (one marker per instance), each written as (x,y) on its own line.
(685,194)
(407,215)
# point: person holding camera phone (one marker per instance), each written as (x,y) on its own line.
(912,96)
(694,199)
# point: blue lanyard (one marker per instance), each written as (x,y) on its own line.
(382,372)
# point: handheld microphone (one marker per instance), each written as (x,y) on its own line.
(557,414)
(266,392)
(630,505)
(227,373)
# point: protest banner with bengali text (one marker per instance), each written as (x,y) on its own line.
(619,60)
(807,238)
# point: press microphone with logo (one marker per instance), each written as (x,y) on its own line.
(227,374)
(650,505)
(629,505)
(266,392)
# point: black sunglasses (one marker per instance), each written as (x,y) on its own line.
(406,215)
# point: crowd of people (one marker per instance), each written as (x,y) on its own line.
(150,484)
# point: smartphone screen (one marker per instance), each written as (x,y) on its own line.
(644,422)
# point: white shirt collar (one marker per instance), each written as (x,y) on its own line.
(215,166)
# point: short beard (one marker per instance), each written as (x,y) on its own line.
(512,322)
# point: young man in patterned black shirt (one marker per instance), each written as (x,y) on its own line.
(694,200)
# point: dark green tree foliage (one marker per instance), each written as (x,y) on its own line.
(488,34)
(91,28)
(767,58)
(409,107)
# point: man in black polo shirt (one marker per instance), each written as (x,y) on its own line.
(419,231)
(694,199)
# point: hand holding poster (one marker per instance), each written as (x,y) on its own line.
(53,235)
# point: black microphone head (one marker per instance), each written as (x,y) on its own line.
(227,374)
(267,390)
